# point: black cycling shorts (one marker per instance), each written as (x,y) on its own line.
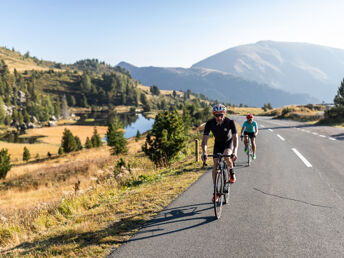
(251,135)
(219,147)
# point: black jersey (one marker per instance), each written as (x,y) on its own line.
(223,132)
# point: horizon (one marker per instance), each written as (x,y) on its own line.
(153,33)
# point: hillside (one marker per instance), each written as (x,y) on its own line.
(294,67)
(38,91)
(215,85)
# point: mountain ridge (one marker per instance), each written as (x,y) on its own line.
(294,67)
(214,84)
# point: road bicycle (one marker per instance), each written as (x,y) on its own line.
(221,189)
(249,150)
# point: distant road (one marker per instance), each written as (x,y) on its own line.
(288,203)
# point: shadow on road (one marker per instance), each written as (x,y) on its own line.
(177,216)
(339,137)
(291,199)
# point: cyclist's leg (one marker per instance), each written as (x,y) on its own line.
(218,148)
(253,141)
(245,139)
(216,163)
(228,151)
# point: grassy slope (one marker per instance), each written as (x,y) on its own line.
(15,60)
(108,211)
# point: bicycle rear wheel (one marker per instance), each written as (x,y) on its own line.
(249,154)
(218,191)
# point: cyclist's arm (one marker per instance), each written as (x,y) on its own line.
(204,145)
(235,144)
(242,131)
(256,129)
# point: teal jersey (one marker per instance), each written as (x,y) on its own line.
(250,127)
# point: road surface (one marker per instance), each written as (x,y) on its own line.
(288,203)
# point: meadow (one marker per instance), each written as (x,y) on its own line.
(49,141)
(53,207)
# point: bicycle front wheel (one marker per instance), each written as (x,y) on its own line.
(218,192)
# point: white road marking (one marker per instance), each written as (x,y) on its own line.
(271,130)
(302,158)
(315,133)
(333,139)
(323,136)
(279,136)
(262,126)
(307,131)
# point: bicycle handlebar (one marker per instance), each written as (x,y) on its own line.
(218,155)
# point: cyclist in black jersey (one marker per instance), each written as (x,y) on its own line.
(225,134)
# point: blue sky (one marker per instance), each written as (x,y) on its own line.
(175,33)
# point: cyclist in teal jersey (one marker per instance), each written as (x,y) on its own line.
(250,130)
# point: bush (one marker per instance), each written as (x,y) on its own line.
(335,114)
(5,163)
(166,139)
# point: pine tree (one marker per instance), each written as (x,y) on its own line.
(339,98)
(68,141)
(64,108)
(115,137)
(166,139)
(78,143)
(26,154)
(138,136)
(85,83)
(5,163)
(2,111)
(96,140)
(88,143)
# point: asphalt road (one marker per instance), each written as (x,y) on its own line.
(288,203)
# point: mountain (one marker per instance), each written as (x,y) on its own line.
(293,67)
(215,85)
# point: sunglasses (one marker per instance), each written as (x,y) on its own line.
(219,115)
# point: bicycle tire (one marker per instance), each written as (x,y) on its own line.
(218,189)
(249,154)
(226,195)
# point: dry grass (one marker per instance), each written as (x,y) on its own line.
(53,135)
(16,61)
(50,141)
(245,110)
(108,212)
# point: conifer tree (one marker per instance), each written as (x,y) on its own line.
(78,143)
(26,154)
(138,135)
(166,139)
(88,143)
(2,111)
(339,98)
(5,163)
(68,141)
(96,140)
(115,137)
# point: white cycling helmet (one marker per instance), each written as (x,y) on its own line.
(219,109)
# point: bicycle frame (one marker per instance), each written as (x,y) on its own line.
(220,178)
